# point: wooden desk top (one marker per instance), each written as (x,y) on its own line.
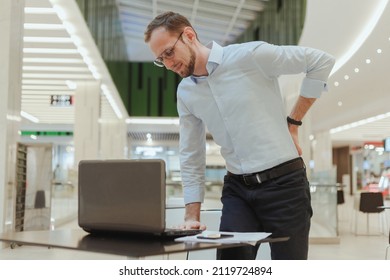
(130,246)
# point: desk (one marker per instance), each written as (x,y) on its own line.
(132,247)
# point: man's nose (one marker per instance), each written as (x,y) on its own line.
(168,63)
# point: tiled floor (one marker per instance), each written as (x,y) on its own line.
(351,246)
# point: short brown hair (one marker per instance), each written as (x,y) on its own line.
(172,22)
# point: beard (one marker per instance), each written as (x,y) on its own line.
(189,69)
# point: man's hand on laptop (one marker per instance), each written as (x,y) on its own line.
(192,225)
(192,217)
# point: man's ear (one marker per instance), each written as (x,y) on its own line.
(190,34)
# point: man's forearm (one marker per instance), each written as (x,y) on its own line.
(301,107)
(192,212)
(299,110)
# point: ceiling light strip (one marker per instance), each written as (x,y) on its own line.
(52,60)
(43,26)
(45,87)
(29,117)
(69,14)
(359,123)
(57,76)
(55,68)
(111,100)
(166,121)
(46,92)
(361,38)
(47,40)
(35,10)
(50,51)
(43,82)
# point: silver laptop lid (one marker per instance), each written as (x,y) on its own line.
(122,195)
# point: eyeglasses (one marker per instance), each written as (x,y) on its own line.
(167,54)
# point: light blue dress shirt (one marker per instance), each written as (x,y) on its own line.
(241,105)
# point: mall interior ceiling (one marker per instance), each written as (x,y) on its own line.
(355,109)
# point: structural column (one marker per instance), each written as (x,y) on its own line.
(11,34)
(86,127)
(322,154)
(113,140)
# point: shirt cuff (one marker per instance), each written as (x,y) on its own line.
(193,194)
(313,88)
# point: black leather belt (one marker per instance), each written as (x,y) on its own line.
(272,173)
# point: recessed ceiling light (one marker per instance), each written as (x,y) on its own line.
(336,84)
(379,50)
(368,61)
(340,103)
(357,70)
(346,77)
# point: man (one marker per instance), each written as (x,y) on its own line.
(234,92)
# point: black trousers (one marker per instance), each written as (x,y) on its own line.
(281,206)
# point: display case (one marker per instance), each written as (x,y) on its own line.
(39,184)
(324,223)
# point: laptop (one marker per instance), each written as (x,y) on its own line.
(124,196)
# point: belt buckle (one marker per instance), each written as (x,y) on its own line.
(257,176)
(244,177)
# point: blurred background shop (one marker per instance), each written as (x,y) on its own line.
(78,82)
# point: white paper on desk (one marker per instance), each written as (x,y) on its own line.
(250,238)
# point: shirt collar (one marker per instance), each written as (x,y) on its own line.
(215,58)
(215,55)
